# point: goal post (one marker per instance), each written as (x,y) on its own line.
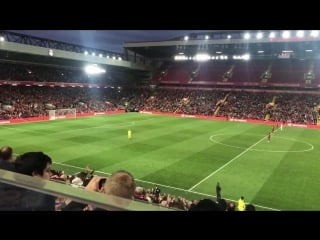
(62,113)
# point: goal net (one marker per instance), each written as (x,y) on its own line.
(62,113)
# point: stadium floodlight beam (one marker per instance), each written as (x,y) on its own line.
(201,57)
(314,33)
(285,34)
(247,36)
(180,58)
(272,35)
(300,34)
(246,57)
(94,69)
(259,35)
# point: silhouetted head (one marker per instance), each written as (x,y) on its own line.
(6,153)
(206,205)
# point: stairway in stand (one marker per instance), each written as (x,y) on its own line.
(271,105)
(219,103)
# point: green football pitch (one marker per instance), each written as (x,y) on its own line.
(185,156)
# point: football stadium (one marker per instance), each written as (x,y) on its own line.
(220,121)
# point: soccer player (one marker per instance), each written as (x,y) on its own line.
(269,137)
(281,126)
(129,134)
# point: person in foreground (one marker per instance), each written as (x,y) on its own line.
(121,184)
(36,164)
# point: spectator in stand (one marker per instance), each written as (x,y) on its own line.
(231,207)
(9,194)
(206,205)
(156,193)
(96,184)
(250,207)
(121,184)
(6,160)
(36,164)
(223,204)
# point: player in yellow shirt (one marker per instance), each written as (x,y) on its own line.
(129,134)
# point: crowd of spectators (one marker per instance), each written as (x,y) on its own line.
(26,101)
(288,107)
(23,101)
(293,108)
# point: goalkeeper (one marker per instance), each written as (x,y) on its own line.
(129,134)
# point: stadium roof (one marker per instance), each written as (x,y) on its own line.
(258,45)
(161,44)
(221,43)
(22,49)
